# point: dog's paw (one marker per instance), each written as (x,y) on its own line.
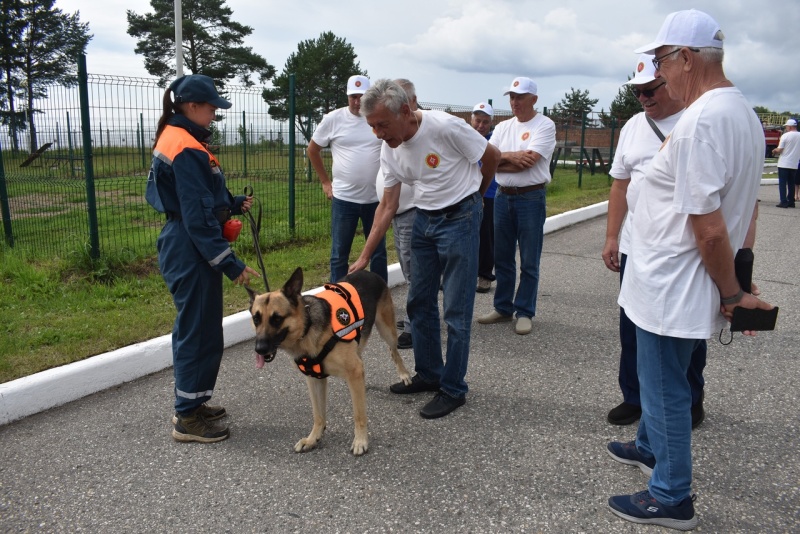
(406,378)
(305,445)
(360,446)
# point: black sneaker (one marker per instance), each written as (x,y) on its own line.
(627,453)
(404,341)
(624,414)
(197,428)
(644,509)
(782,205)
(441,405)
(211,413)
(417,385)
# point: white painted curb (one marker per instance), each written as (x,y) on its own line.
(54,387)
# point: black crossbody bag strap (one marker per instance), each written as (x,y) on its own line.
(655,128)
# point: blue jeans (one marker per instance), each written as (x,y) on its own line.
(628,377)
(786,183)
(665,429)
(403,227)
(344,221)
(518,219)
(444,245)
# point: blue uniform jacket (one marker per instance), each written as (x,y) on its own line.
(187,183)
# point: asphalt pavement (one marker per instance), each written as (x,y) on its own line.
(525,454)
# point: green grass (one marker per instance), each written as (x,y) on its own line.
(66,308)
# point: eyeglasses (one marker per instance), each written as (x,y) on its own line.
(647,93)
(657,60)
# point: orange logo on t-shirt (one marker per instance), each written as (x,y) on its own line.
(640,67)
(432,160)
(525,136)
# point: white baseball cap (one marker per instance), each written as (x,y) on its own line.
(357,85)
(686,28)
(483,107)
(790,122)
(645,71)
(522,85)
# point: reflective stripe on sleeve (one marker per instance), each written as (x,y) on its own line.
(216,261)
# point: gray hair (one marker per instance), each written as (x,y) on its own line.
(707,54)
(386,92)
(408,87)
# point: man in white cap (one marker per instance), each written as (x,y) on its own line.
(693,210)
(789,152)
(639,140)
(356,159)
(481,120)
(437,153)
(526,143)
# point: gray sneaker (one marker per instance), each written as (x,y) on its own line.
(211,413)
(197,427)
(484,285)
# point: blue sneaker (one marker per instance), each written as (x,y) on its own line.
(627,453)
(643,508)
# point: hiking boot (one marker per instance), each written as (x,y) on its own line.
(211,413)
(644,509)
(197,428)
(494,317)
(624,414)
(484,285)
(627,453)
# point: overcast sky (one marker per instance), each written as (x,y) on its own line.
(461,52)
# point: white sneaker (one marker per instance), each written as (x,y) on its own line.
(494,317)
(524,326)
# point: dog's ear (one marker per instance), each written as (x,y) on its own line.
(294,286)
(252,294)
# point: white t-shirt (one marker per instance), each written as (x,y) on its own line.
(537,134)
(713,160)
(406,193)
(440,161)
(637,145)
(790,143)
(356,155)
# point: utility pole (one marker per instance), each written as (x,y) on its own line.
(178,40)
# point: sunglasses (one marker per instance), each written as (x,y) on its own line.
(647,93)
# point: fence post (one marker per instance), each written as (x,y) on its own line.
(243,135)
(581,153)
(88,164)
(4,202)
(611,145)
(70,152)
(292,148)
(144,145)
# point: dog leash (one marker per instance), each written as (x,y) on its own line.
(255,230)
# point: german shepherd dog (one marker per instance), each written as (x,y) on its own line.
(301,326)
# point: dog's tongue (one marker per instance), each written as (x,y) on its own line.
(259,361)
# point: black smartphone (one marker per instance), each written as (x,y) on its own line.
(755,319)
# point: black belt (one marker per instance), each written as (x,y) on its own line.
(449,209)
(519,190)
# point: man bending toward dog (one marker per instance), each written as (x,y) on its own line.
(438,154)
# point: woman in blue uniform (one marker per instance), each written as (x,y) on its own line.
(187,184)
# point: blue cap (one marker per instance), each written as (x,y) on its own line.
(197,88)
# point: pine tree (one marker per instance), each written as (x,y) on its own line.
(212,42)
(40,49)
(321,68)
(623,107)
